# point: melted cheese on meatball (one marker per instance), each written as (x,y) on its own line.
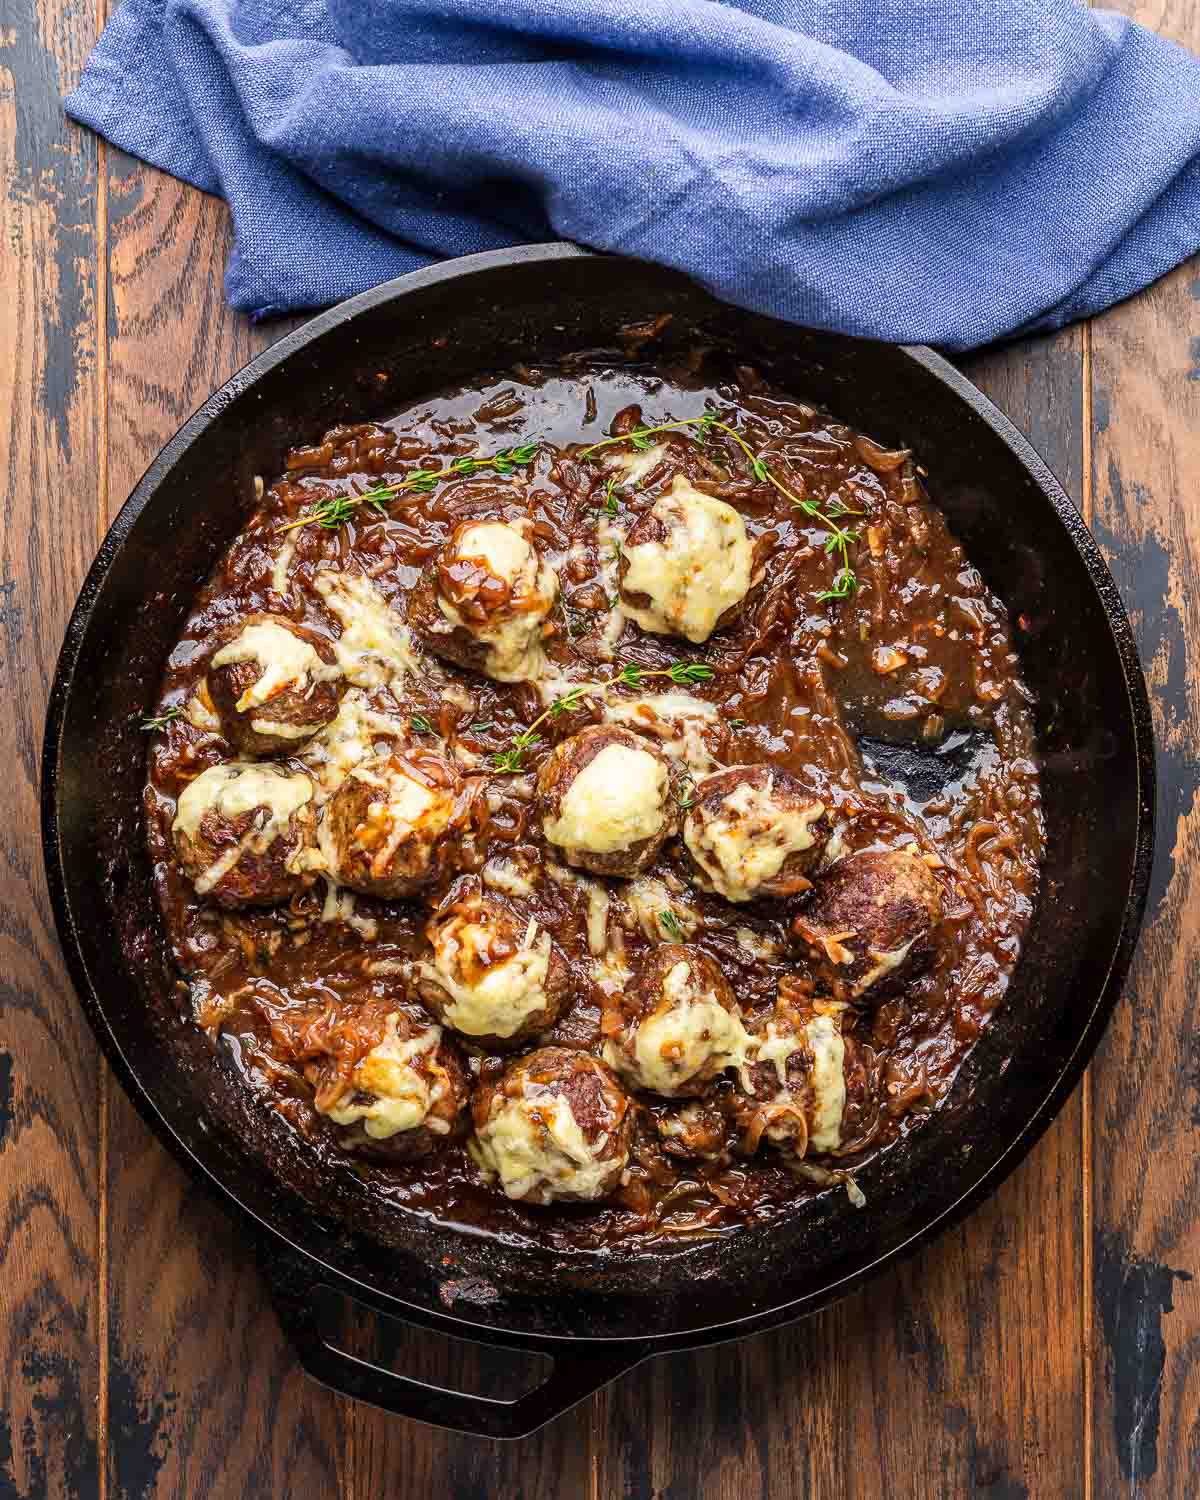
(536,1142)
(230,791)
(400,1097)
(615,801)
(287,661)
(701,568)
(684,1036)
(514,642)
(501,997)
(745,845)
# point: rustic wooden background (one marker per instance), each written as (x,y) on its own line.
(1048,1347)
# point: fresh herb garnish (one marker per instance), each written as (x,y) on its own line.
(685,793)
(512,760)
(669,923)
(420,723)
(481,726)
(331,513)
(160,721)
(610,499)
(837,545)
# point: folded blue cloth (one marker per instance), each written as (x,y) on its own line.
(950,171)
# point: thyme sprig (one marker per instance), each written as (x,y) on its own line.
(512,760)
(331,513)
(840,538)
(670,924)
(159,722)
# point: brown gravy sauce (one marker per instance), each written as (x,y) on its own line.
(920,654)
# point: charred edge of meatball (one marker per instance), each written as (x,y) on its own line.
(711,803)
(558,773)
(318,705)
(871,920)
(485,910)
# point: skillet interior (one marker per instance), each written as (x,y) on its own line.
(367,359)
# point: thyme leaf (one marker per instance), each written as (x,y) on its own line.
(331,513)
(420,723)
(669,923)
(159,722)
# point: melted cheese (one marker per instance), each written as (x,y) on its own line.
(346,740)
(288,662)
(618,799)
(232,790)
(402,1096)
(885,963)
(677,721)
(743,847)
(375,647)
(535,1143)
(505,995)
(635,463)
(503,875)
(283,562)
(700,570)
(828,1082)
(647,898)
(689,1035)
(514,638)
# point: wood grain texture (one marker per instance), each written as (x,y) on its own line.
(946,1377)
(204,1396)
(48,1062)
(1146,1079)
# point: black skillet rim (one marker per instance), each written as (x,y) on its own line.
(1091,1031)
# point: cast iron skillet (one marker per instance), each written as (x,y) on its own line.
(594,1316)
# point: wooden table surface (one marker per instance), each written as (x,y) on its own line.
(1048,1347)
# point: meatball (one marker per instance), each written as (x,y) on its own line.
(493,978)
(484,603)
(606,800)
(243,833)
(676,1027)
(557,1125)
(695,1131)
(803,1083)
(872,919)
(394,1086)
(755,831)
(274,685)
(686,564)
(395,824)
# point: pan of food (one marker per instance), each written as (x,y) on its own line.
(593,820)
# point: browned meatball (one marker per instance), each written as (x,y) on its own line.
(494,977)
(396,824)
(394,1085)
(274,684)
(676,1027)
(755,831)
(484,603)
(557,1125)
(872,918)
(686,564)
(243,833)
(606,800)
(695,1131)
(803,1087)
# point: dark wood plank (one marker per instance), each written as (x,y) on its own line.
(962,1372)
(1146,1185)
(50,1412)
(205,1396)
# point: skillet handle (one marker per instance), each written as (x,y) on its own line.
(576,1372)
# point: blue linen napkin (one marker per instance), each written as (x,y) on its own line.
(946,171)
